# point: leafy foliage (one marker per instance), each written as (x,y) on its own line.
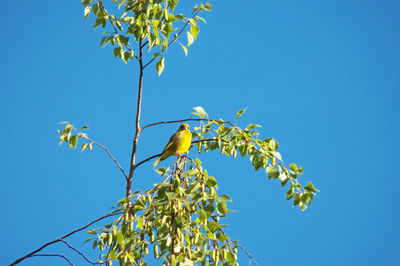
(231,140)
(180,217)
(151,23)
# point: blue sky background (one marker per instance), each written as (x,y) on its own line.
(322,77)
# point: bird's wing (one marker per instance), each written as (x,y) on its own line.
(172,141)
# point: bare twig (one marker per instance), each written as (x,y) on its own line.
(54,255)
(108,152)
(248,254)
(82,255)
(148,159)
(245,251)
(33,253)
(184,120)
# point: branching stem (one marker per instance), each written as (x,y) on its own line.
(33,253)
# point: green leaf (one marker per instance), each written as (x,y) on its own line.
(126,56)
(84,146)
(277,155)
(224,197)
(160,66)
(190,38)
(310,187)
(68,128)
(293,166)
(207,7)
(230,257)
(211,182)
(273,144)
(194,30)
(221,236)
(221,208)
(289,194)
(202,19)
(184,49)
(117,52)
(170,195)
(241,112)
(86,12)
(202,216)
(120,238)
(296,199)
(130,257)
(74,141)
(209,209)
(92,232)
(253,126)
(303,206)
(272,172)
(86,2)
(170,18)
(213,226)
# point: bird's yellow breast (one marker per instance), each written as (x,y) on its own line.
(183,142)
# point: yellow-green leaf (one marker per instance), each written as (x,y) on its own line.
(160,66)
(184,49)
(190,38)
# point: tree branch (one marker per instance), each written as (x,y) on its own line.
(54,255)
(33,253)
(184,120)
(82,255)
(108,152)
(148,159)
(137,123)
(248,255)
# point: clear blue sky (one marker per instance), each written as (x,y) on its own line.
(322,77)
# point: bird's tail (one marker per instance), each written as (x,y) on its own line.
(161,158)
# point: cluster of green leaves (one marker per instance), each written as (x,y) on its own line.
(147,22)
(71,135)
(178,217)
(231,140)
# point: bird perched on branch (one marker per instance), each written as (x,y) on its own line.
(178,144)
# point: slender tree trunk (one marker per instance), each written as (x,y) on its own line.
(137,123)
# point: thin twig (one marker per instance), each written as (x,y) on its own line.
(63,237)
(148,159)
(184,120)
(109,154)
(54,255)
(248,254)
(80,253)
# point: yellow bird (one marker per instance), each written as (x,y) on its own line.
(178,144)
